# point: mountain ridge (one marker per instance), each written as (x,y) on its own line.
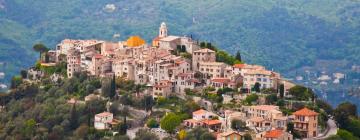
(266,32)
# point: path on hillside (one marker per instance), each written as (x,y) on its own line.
(331,130)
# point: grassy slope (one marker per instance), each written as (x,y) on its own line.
(266,31)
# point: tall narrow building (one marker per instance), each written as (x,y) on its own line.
(163,31)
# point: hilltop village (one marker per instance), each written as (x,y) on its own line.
(160,65)
(182,87)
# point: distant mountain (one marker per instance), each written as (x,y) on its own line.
(280,34)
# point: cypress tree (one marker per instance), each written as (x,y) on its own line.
(113,87)
(282,90)
(238,56)
(73,117)
(257,87)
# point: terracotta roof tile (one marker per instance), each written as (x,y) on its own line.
(257,119)
(211,122)
(273,134)
(305,112)
(239,66)
(221,80)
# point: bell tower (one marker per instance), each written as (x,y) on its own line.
(163,32)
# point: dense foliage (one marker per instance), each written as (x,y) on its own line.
(347,119)
(46,114)
(199,133)
(266,32)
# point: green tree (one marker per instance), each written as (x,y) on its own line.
(170,122)
(114,108)
(282,90)
(290,128)
(81,131)
(334,137)
(23,74)
(343,112)
(73,117)
(202,44)
(30,127)
(152,123)
(40,48)
(112,87)
(257,87)
(122,127)
(271,99)
(325,106)
(108,87)
(15,82)
(183,48)
(189,107)
(346,135)
(144,134)
(199,133)
(251,98)
(124,112)
(126,100)
(238,56)
(148,102)
(121,137)
(247,136)
(301,93)
(354,126)
(207,136)
(238,125)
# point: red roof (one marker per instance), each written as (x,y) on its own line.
(305,112)
(273,134)
(98,56)
(240,66)
(221,80)
(212,122)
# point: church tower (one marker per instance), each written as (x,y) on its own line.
(163,32)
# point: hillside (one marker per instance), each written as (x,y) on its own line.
(266,32)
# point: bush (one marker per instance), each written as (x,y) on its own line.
(152,123)
(346,135)
(251,98)
(170,122)
(301,93)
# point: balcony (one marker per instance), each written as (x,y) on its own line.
(301,129)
